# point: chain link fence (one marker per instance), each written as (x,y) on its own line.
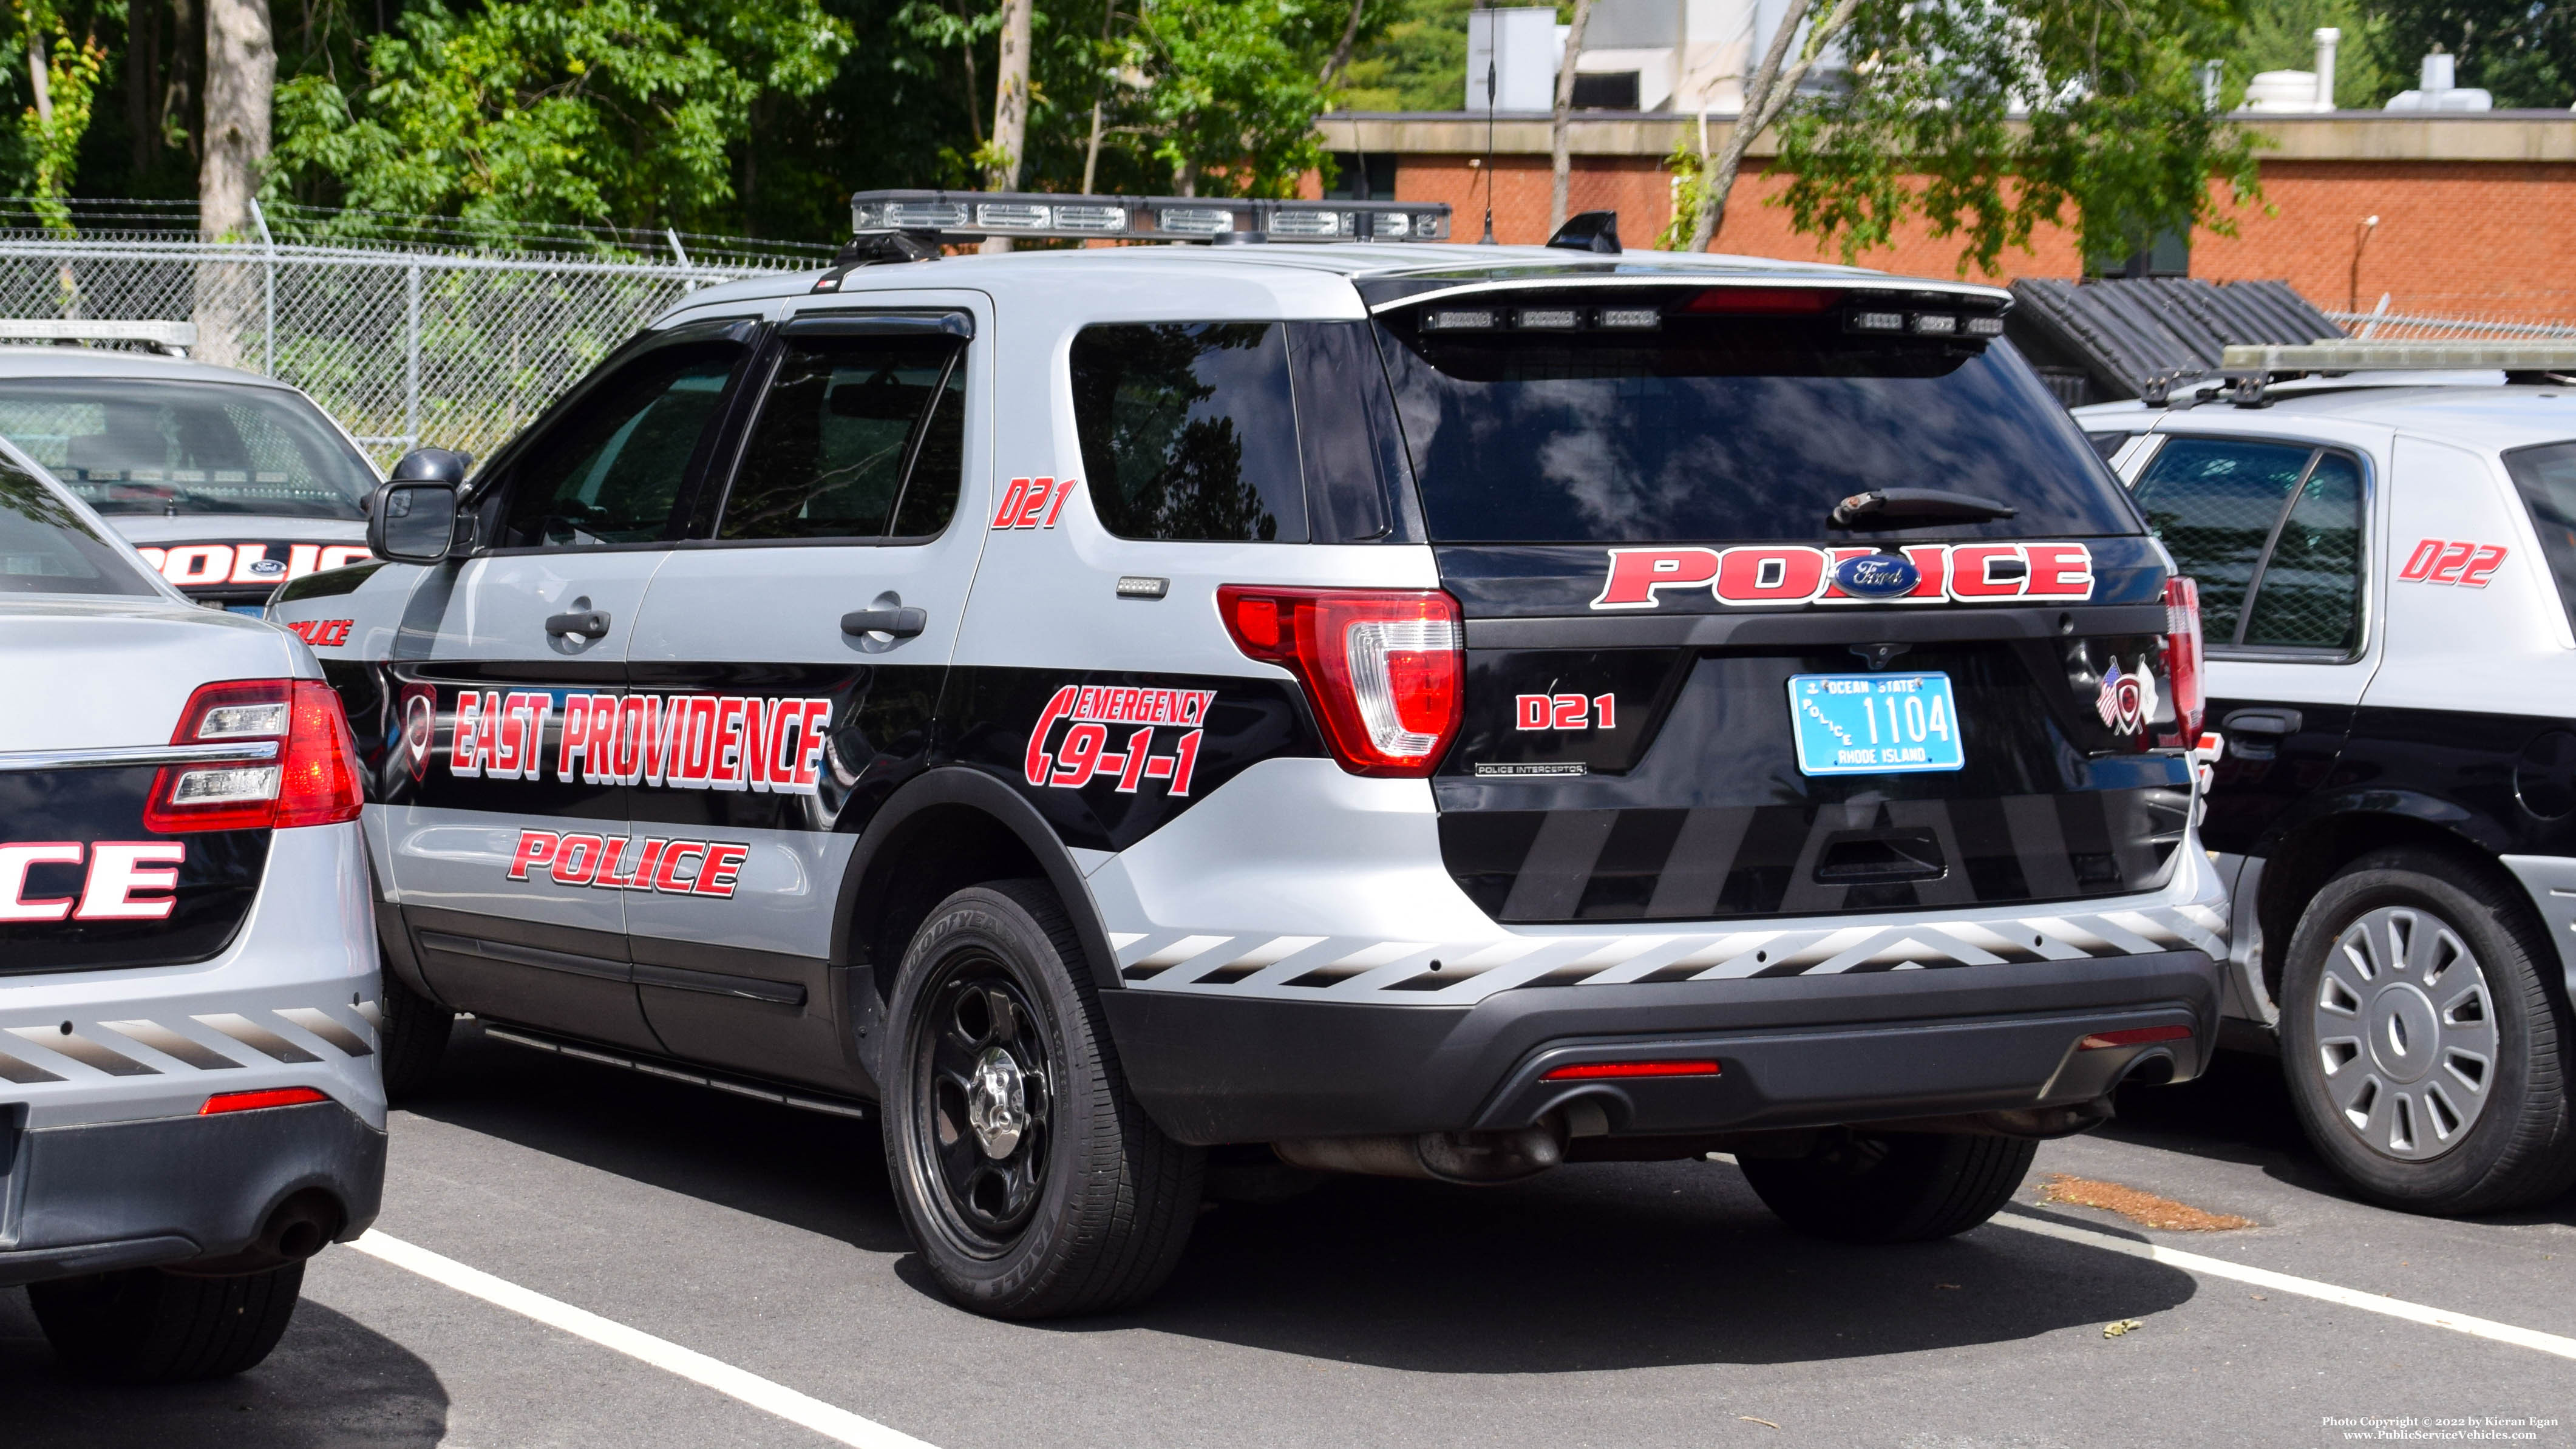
(407,330)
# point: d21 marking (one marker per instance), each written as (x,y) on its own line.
(2453,561)
(1083,754)
(1565,712)
(1034,502)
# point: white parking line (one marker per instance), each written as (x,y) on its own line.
(833,1423)
(2283,1282)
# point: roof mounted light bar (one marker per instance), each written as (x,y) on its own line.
(959,216)
(174,338)
(2359,356)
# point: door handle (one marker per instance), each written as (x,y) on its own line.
(902,623)
(588,623)
(2256,734)
(2263,722)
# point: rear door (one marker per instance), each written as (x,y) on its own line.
(1693,693)
(2276,531)
(842,500)
(510,850)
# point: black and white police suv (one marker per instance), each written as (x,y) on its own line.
(189,1101)
(1424,710)
(2387,578)
(227,482)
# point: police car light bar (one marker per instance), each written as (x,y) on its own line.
(2359,356)
(956,216)
(171,337)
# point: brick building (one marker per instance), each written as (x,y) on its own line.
(2477,211)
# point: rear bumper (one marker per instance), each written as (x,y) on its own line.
(133,1194)
(1794,1051)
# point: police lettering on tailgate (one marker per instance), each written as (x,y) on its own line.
(1750,575)
(125,880)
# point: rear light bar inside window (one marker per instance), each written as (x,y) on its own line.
(1384,669)
(299,764)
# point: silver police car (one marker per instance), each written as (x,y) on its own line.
(189,1099)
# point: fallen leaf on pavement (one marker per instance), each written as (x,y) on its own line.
(2124,1326)
(1765,1423)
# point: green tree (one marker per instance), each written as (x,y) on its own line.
(2281,35)
(62,78)
(2522,50)
(1990,120)
(1418,61)
(618,111)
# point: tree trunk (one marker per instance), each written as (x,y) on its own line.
(1010,105)
(1351,34)
(1560,143)
(241,78)
(1766,95)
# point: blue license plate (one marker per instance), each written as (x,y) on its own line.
(1874,724)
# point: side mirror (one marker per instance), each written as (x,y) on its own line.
(412,522)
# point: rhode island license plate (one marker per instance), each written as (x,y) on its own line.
(1874,724)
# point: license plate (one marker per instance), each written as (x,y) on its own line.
(1874,724)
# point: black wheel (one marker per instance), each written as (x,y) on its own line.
(2422,1047)
(414,1038)
(153,1326)
(1891,1187)
(1033,1185)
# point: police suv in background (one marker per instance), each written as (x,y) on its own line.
(189,1103)
(227,482)
(1431,711)
(2387,578)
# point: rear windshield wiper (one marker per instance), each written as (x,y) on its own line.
(1904,507)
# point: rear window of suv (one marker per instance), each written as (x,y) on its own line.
(1551,426)
(2546,478)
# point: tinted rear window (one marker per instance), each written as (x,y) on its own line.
(181,448)
(48,548)
(2546,478)
(1726,427)
(1189,430)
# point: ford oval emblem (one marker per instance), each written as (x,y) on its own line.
(1877,576)
(268,567)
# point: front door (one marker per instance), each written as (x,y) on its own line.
(511,856)
(813,630)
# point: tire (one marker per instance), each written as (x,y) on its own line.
(1032,1183)
(153,1326)
(414,1039)
(2424,1088)
(1892,1187)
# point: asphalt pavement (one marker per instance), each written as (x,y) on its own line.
(1616,1304)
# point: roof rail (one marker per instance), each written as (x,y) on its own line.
(960,216)
(2359,356)
(174,338)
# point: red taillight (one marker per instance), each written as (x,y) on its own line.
(2133,1036)
(1760,301)
(1595,1071)
(309,775)
(253,1101)
(1383,668)
(2182,661)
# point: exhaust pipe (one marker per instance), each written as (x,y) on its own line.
(300,1227)
(1473,1158)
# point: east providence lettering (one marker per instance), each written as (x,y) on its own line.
(676,741)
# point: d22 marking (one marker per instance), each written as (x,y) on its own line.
(1565,712)
(1034,502)
(2453,561)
